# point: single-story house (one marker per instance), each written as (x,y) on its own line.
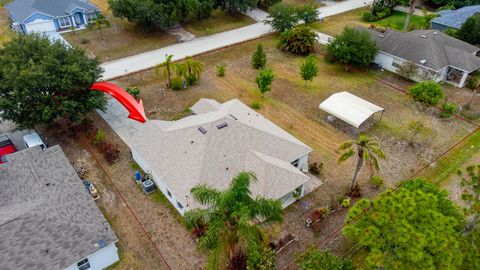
(453,18)
(436,56)
(215,144)
(42,16)
(48,220)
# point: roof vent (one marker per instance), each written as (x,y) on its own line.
(423,36)
(423,61)
(233,116)
(382,36)
(222,125)
(435,32)
(202,130)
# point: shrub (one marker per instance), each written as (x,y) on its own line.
(376,181)
(259,58)
(134,91)
(99,136)
(220,70)
(264,80)
(191,79)
(315,168)
(448,109)
(407,69)
(316,259)
(110,152)
(309,68)
(428,93)
(84,40)
(345,202)
(256,105)
(177,83)
(386,12)
(352,47)
(300,41)
(367,16)
(308,13)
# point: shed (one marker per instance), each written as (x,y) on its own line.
(350,108)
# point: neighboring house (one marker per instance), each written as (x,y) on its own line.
(453,18)
(436,56)
(48,220)
(213,146)
(42,16)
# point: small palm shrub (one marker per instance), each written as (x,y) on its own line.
(99,137)
(256,105)
(448,109)
(220,70)
(376,182)
(300,40)
(177,83)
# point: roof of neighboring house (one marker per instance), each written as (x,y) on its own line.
(456,18)
(429,48)
(23,9)
(47,218)
(182,156)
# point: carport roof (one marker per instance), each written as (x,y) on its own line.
(349,108)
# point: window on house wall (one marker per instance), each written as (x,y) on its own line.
(90,16)
(396,62)
(83,264)
(64,22)
(179,205)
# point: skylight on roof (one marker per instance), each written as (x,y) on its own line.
(202,130)
(233,116)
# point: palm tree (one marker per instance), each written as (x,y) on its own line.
(366,150)
(190,68)
(411,9)
(167,67)
(229,220)
(99,21)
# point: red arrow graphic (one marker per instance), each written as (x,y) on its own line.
(135,108)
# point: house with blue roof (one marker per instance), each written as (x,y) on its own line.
(453,18)
(46,16)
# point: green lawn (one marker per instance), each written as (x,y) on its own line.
(334,25)
(218,22)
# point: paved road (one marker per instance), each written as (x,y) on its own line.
(200,45)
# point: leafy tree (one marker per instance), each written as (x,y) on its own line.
(201,9)
(470,30)
(308,13)
(309,68)
(365,149)
(190,70)
(166,68)
(150,14)
(428,92)
(314,259)
(471,195)
(471,249)
(100,21)
(259,58)
(414,227)
(235,6)
(267,3)
(282,17)
(264,80)
(228,216)
(300,40)
(352,47)
(41,81)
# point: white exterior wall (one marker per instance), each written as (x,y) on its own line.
(101,259)
(385,61)
(158,182)
(303,163)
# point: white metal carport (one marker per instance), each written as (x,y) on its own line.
(350,108)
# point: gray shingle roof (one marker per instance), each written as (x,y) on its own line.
(456,18)
(182,156)
(47,218)
(439,50)
(22,9)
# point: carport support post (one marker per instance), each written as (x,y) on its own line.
(381,116)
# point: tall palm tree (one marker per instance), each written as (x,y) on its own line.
(99,21)
(229,220)
(190,67)
(166,68)
(411,9)
(366,150)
